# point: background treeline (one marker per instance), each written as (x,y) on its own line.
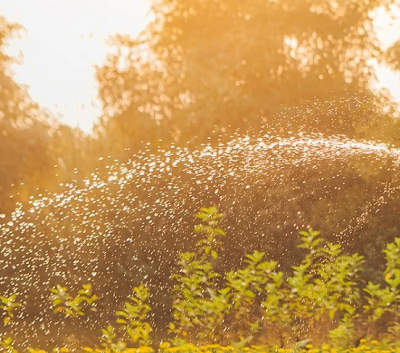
(201,69)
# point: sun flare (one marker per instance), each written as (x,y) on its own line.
(62,43)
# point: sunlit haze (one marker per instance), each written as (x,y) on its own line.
(222,177)
(64,40)
(62,43)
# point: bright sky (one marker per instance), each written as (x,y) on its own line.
(65,39)
(388,33)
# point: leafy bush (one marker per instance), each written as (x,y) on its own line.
(199,308)
(72,306)
(321,300)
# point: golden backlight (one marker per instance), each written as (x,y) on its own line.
(64,40)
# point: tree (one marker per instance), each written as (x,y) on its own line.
(31,143)
(219,65)
(24,130)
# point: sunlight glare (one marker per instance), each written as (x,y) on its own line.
(63,42)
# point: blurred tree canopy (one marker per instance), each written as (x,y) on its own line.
(201,69)
(24,134)
(219,65)
(31,143)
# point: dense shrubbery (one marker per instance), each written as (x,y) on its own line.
(322,300)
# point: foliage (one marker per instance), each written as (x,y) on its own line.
(8,304)
(268,56)
(108,343)
(73,306)
(383,303)
(321,288)
(132,320)
(7,345)
(319,301)
(23,129)
(195,85)
(365,346)
(132,317)
(31,141)
(198,308)
(246,286)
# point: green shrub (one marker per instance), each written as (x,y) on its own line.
(63,302)
(321,300)
(199,307)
